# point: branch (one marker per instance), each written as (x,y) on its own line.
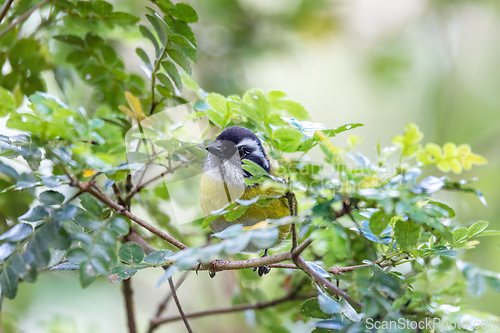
(163,305)
(179,307)
(129,304)
(139,187)
(300,262)
(87,187)
(5,9)
(237,308)
(22,17)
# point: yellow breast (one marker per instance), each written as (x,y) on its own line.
(214,196)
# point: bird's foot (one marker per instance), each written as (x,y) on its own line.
(262,269)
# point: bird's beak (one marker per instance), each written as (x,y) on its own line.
(222,149)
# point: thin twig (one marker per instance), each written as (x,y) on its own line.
(22,17)
(5,9)
(179,307)
(129,304)
(302,246)
(139,187)
(86,187)
(163,305)
(300,262)
(237,308)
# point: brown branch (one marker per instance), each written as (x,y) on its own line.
(273,261)
(5,9)
(340,270)
(129,304)
(301,247)
(179,307)
(237,308)
(163,305)
(86,187)
(139,187)
(300,262)
(334,270)
(23,17)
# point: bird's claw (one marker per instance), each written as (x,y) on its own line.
(262,269)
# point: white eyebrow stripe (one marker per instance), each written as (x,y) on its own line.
(250,143)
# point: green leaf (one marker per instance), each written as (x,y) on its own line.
(120,273)
(90,204)
(477,228)
(310,308)
(444,251)
(35,214)
(149,35)
(161,28)
(173,72)
(294,109)
(21,263)
(7,104)
(131,253)
(407,234)
(349,311)
(253,168)
(179,58)
(122,18)
(158,257)
(219,111)
(448,209)
(163,91)
(17,233)
(144,57)
(8,281)
(71,40)
(6,249)
(102,8)
(340,129)
(489,233)
(76,255)
(88,274)
(120,225)
(378,222)
(493,282)
(460,234)
(328,304)
(39,246)
(169,272)
(51,197)
(476,283)
(264,238)
(166,82)
(184,12)
(181,41)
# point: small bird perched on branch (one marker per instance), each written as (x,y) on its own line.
(223,182)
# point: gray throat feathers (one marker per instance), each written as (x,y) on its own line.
(228,173)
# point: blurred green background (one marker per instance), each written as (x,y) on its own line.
(381,63)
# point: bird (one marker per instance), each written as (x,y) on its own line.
(223,181)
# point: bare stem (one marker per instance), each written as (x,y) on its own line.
(22,18)
(86,187)
(5,9)
(139,187)
(300,262)
(238,308)
(179,307)
(129,304)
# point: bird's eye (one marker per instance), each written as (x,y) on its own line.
(243,151)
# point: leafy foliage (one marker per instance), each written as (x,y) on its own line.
(380,217)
